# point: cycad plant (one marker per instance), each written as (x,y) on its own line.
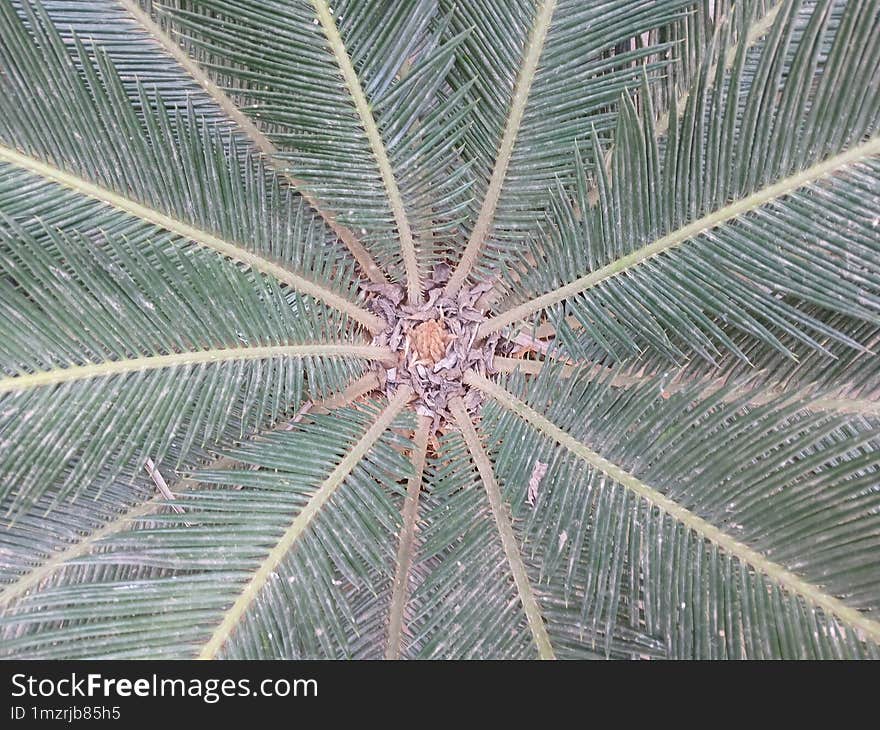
(434,329)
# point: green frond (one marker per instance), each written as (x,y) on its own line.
(721,529)
(837,378)
(71,528)
(175,594)
(734,222)
(524,590)
(545,84)
(142,161)
(118,350)
(353,103)
(465,604)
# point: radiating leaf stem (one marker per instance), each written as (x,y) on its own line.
(505,529)
(777,573)
(406,547)
(203,238)
(19,383)
(683,234)
(362,104)
(762,395)
(531,57)
(301,522)
(257,138)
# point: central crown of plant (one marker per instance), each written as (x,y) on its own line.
(434,343)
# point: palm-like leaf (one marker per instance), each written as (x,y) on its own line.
(205,210)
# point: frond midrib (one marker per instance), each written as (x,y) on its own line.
(684,234)
(505,529)
(203,238)
(300,523)
(377,145)
(257,138)
(531,57)
(764,393)
(406,545)
(774,571)
(20,383)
